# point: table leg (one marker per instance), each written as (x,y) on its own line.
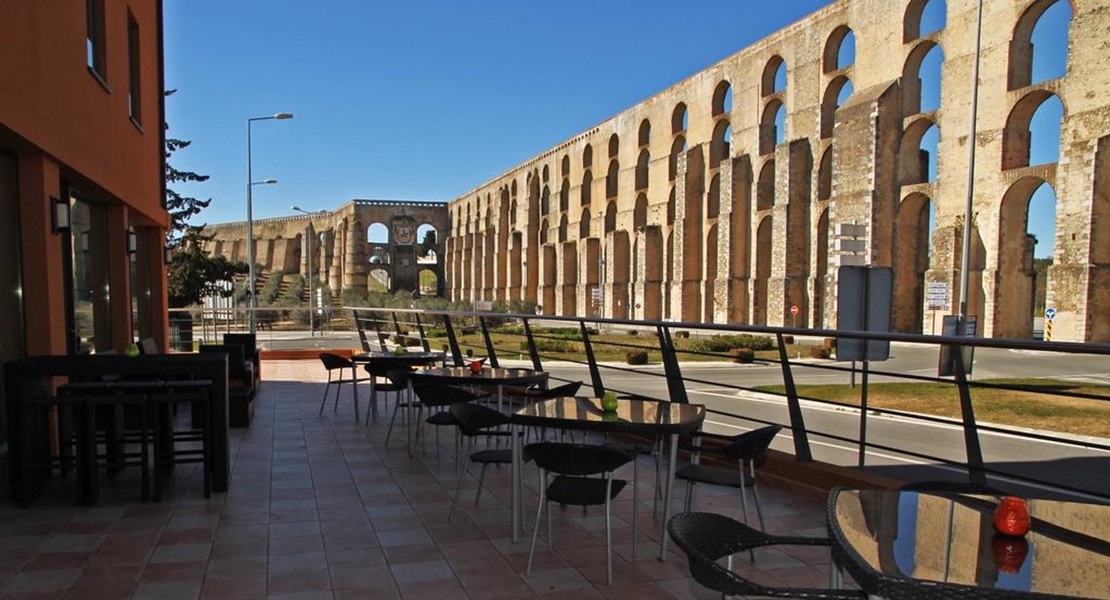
(516,480)
(411,417)
(671,464)
(354,391)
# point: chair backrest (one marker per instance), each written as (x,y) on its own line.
(438,394)
(334,361)
(248,341)
(381,368)
(576,459)
(148,346)
(567,389)
(705,538)
(473,418)
(752,445)
(235,360)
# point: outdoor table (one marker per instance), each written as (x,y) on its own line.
(412,359)
(650,418)
(485,377)
(903,544)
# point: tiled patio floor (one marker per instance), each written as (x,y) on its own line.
(319,508)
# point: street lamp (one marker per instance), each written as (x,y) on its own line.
(311,290)
(601,265)
(251,300)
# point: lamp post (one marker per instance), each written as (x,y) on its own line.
(251,300)
(601,264)
(965,256)
(311,290)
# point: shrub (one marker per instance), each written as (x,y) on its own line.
(270,290)
(829,343)
(633,332)
(725,343)
(788,340)
(551,346)
(636,357)
(819,352)
(742,355)
(682,335)
(436,332)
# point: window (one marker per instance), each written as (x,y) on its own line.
(95,44)
(134,78)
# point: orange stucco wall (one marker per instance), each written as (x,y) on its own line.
(49,98)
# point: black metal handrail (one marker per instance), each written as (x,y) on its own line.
(381,319)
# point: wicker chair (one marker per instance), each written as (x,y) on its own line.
(708,537)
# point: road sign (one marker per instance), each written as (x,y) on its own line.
(794,309)
(1050,313)
(863,304)
(937,296)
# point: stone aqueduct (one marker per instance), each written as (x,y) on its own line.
(719,199)
(343,255)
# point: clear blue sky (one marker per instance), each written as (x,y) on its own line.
(422,99)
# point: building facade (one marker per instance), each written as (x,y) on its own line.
(734,195)
(81,176)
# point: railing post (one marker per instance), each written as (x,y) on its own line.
(595,373)
(423,337)
(676,386)
(532,352)
(456,354)
(490,352)
(794,407)
(976,472)
(378,331)
(862,458)
(397,328)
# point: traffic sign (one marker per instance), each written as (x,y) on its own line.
(1050,313)
(794,309)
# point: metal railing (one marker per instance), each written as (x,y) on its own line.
(1056,461)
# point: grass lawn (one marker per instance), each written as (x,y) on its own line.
(1009,407)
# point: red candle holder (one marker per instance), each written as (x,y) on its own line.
(1009,552)
(476,366)
(1012,516)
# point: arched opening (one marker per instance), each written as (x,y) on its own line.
(377,233)
(678,146)
(672,209)
(584,224)
(772,127)
(612,179)
(611,217)
(708,294)
(722,99)
(428,282)
(1024,235)
(584,191)
(564,196)
(821,269)
(643,138)
(587,156)
(639,214)
(762,271)
(1032,134)
(543,232)
(713,198)
(1039,48)
(912,254)
(836,94)
(563,226)
(614,145)
(642,163)
(719,147)
(426,243)
(774,76)
(921,79)
(923,17)
(378,280)
(678,119)
(765,187)
(824,176)
(512,213)
(918,155)
(564,168)
(840,50)
(545,200)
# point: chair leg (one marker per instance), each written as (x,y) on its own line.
(635,499)
(689,496)
(539,515)
(338,391)
(755,494)
(389,431)
(481,482)
(324,400)
(608,530)
(458,492)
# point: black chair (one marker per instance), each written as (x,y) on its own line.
(240,383)
(251,352)
(475,420)
(398,378)
(39,456)
(707,537)
(167,433)
(438,398)
(572,465)
(745,448)
(335,363)
(378,370)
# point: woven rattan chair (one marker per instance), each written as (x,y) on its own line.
(707,538)
(746,449)
(573,466)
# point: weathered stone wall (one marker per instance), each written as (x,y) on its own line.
(342,257)
(739,229)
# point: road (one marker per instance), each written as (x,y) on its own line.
(1071,464)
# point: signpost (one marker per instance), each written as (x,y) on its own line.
(937,298)
(1049,316)
(793,315)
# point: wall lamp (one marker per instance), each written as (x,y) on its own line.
(168,254)
(132,241)
(59,215)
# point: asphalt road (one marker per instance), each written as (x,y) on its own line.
(1074,464)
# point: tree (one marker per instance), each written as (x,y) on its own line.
(191,273)
(428,243)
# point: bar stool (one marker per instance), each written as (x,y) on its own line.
(163,407)
(37,454)
(108,411)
